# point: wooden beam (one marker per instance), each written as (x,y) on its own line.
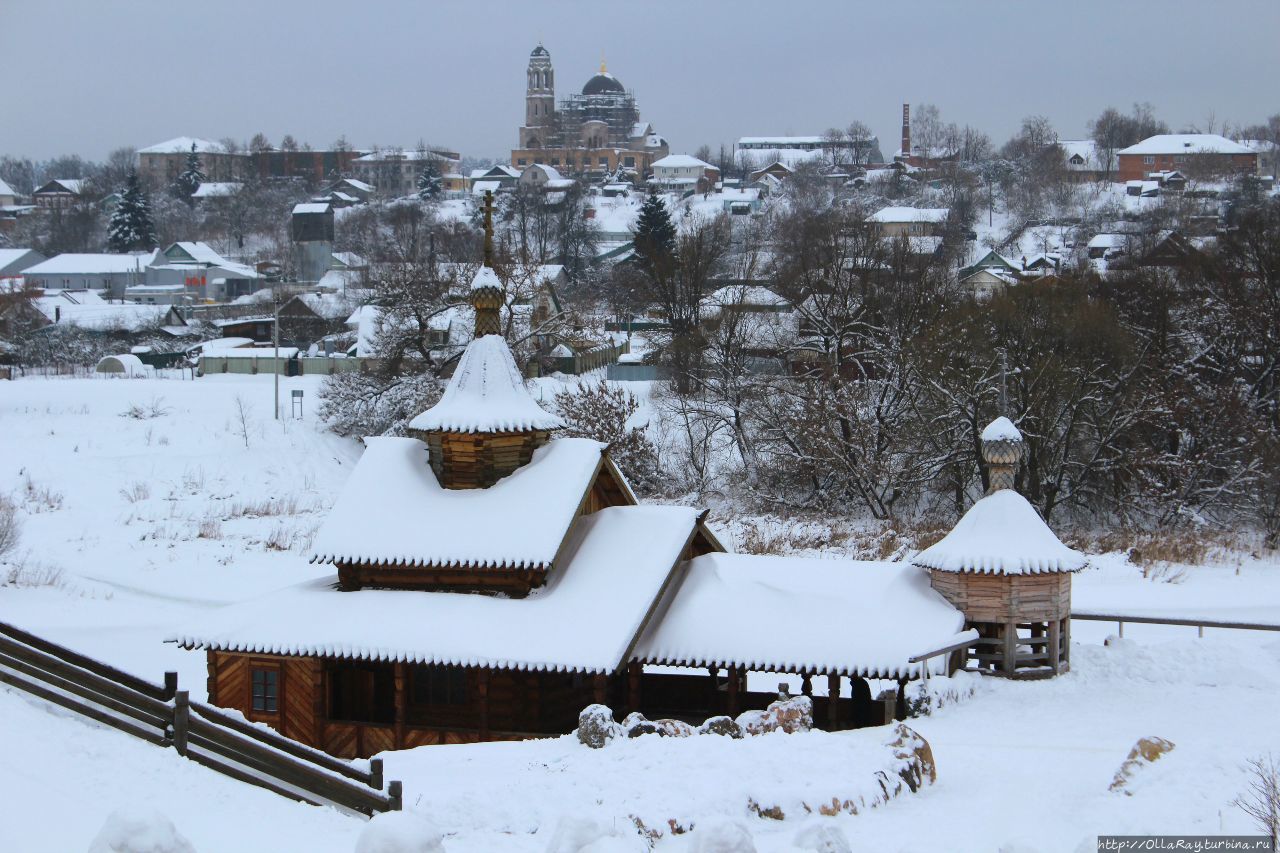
(1010,647)
(634,672)
(482,697)
(600,688)
(401,677)
(833,702)
(735,681)
(1055,657)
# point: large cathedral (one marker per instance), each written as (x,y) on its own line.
(591,133)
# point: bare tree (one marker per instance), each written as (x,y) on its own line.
(1262,801)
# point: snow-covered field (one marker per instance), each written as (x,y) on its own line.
(134,524)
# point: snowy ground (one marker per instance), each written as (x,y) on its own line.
(141,523)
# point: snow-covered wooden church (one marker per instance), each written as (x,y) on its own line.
(493,579)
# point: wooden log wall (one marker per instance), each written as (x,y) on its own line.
(1000,598)
(477,460)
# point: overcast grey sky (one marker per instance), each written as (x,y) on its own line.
(87,76)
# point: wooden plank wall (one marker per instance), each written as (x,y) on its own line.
(999,598)
(303,699)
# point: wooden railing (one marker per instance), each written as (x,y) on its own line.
(970,637)
(164,715)
(1120,619)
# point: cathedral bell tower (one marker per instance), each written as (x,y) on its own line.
(540,98)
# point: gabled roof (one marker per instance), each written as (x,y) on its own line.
(1002,534)
(75,186)
(217,189)
(71,263)
(486,394)
(794,614)
(5,189)
(616,563)
(678,161)
(393,509)
(1187,143)
(910,214)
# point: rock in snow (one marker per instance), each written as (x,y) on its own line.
(139,831)
(822,838)
(596,726)
(399,832)
(722,836)
(794,714)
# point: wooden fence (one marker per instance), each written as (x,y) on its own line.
(1120,619)
(165,716)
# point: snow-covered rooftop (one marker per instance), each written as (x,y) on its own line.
(793,613)
(91,264)
(182,144)
(5,189)
(678,161)
(1002,534)
(585,618)
(217,189)
(394,510)
(486,394)
(87,310)
(910,214)
(1187,143)
(1001,429)
(744,294)
(311,207)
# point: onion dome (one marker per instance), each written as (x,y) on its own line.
(1001,534)
(540,51)
(603,83)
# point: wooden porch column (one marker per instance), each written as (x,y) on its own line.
(1066,642)
(833,701)
(713,703)
(735,681)
(1010,647)
(1055,646)
(401,677)
(900,708)
(600,688)
(482,696)
(634,671)
(806,684)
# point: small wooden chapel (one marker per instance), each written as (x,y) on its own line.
(492,579)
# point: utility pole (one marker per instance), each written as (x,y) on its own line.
(275,339)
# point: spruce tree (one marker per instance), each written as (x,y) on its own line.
(131,227)
(655,235)
(429,183)
(191,178)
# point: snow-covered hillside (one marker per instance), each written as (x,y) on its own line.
(145,503)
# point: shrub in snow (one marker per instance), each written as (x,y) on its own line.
(139,831)
(399,832)
(821,838)
(10,525)
(793,714)
(928,695)
(596,726)
(722,836)
(721,725)
(1144,752)
(602,412)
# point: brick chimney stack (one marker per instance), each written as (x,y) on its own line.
(906,130)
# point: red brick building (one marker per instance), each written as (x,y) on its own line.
(1198,153)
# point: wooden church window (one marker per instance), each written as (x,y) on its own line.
(265,687)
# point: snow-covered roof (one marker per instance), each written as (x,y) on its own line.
(761,158)
(1001,429)
(486,277)
(311,207)
(744,294)
(182,144)
(12,256)
(794,613)
(126,363)
(1108,241)
(87,310)
(406,154)
(350,259)
(1187,143)
(394,510)
(71,185)
(360,185)
(330,306)
(782,141)
(551,172)
(482,187)
(585,619)
(910,214)
(677,161)
(486,394)
(217,189)
(91,264)
(5,189)
(1002,534)
(204,254)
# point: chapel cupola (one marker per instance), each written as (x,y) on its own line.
(1007,572)
(486,424)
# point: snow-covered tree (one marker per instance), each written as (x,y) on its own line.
(429,183)
(192,175)
(131,226)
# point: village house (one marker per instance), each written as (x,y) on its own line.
(105,272)
(86,310)
(684,172)
(910,221)
(492,579)
(1205,154)
(59,194)
(200,272)
(395,171)
(1083,160)
(8,198)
